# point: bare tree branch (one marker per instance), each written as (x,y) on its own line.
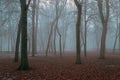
(28,3)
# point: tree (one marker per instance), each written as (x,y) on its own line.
(78,4)
(116,37)
(37,22)
(60,43)
(119,23)
(23,24)
(54,26)
(104,21)
(85,20)
(116,12)
(17,42)
(33,28)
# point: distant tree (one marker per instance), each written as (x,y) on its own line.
(54,27)
(78,4)
(119,23)
(60,43)
(116,10)
(104,20)
(17,42)
(37,23)
(58,11)
(116,37)
(33,28)
(85,33)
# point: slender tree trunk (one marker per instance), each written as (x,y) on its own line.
(37,18)
(29,43)
(51,47)
(33,28)
(60,43)
(50,35)
(17,42)
(85,45)
(119,25)
(1,43)
(49,38)
(64,40)
(119,34)
(55,39)
(1,17)
(115,44)
(56,25)
(97,38)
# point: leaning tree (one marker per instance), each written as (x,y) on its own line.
(104,20)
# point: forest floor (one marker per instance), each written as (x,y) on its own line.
(62,68)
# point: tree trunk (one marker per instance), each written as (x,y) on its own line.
(103,43)
(64,38)
(119,34)
(17,42)
(85,44)
(115,43)
(60,43)
(33,28)
(37,18)
(78,29)
(119,25)
(55,39)
(24,59)
(97,38)
(49,38)
(1,43)
(104,21)
(50,34)
(78,48)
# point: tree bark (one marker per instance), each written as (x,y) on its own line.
(119,25)
(117,35)
(78,26)
(37,18)
(33,28)
(24,58)
(55,39)
(17,42)
(103,43)
(104,21)
(85,44)
(60,43)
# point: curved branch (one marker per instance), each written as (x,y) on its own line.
(28,3)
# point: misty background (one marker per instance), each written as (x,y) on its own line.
(46,9)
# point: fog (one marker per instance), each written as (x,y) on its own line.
(59,39)
(45,11)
